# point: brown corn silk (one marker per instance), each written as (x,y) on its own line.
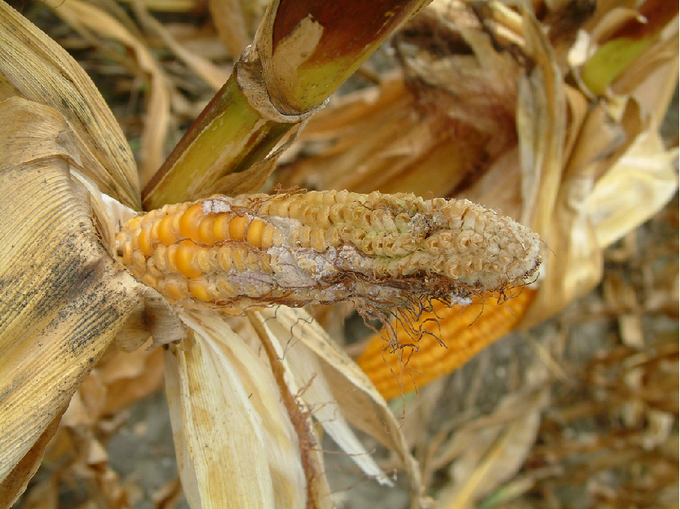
(379,251)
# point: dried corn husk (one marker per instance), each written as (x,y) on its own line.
(221,394)
(64,297)
(98,26)
(34,67)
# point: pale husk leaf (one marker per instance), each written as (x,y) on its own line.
(64,297)
(33,66)
(640,183)
(305,378)
(361,403)
(235,443)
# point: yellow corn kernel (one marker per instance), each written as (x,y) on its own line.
(221,227)
(199,289)
(186,259)
(255,231)
(238,228)
(128,252)
(166,231)
(383,251)
(205,231)
(145,243)
(464,334)
(189,222)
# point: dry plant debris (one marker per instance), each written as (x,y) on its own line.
(580,412)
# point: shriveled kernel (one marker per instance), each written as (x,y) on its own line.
(239,257)
(318,241)
(174,287)
(160,258)
(171,257)
(128,251)
(150,280)
(139,260)
(269,236)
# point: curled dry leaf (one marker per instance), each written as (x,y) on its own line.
(32,66)
(220,393)
(342,385)
(63,298)
(95,23)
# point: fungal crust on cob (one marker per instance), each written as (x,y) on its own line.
(297,248)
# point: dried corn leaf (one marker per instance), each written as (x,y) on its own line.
(362,405)
(493,454)
(304,377)
(202,67)
(229,422)
(230,23)
(63,296)
(96,24)
(33,66)
(636,187)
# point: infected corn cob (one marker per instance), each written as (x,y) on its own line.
(401,366)
(380,251)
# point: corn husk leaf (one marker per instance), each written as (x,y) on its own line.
(235,443)
(634,189)
(304,376)
(64,297)
(350,389)
(33,66)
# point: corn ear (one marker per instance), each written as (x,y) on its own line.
(411,365)
(324,247)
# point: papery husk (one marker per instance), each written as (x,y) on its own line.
(342,385)
(303,376)
(235,442)
(64,297)
(34,67)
